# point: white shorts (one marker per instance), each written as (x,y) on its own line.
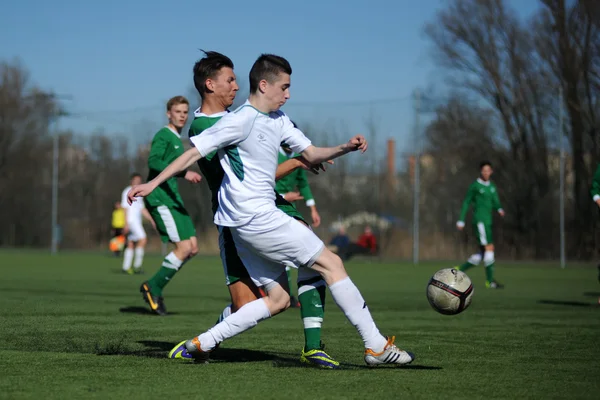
(136,231)
(272,241)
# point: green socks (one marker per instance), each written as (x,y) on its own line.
(466,266)
(289,276)
(311,294)
(170,265)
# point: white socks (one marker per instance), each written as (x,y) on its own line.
(351,302)
(127,258)
(171,261)
(475,259)
(226,313)
(243,319)
(488,258)
(139,257)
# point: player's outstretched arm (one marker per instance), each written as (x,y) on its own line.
(182,162)
(316,155)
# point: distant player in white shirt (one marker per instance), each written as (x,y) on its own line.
(267,239)
(134,229)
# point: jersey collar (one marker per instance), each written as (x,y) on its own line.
(198,114)
(174,132)
(484,183)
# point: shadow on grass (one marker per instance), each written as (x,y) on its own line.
(159,349)
(565,303)
(592,294)
(141,311)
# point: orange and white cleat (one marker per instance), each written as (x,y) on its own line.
(390,355)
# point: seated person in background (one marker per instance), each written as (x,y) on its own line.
(366,244)
(340,241)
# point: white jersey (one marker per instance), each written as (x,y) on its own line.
(134,211)
(248,143)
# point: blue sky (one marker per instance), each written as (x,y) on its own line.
(130,56)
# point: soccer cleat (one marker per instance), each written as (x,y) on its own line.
(493,285)
(180,351)
(194,350)
(129,271)
(319,358)
(390,355)
(156,303)
(138,271)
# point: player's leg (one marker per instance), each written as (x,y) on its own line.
(294,303)
(378,349)
(484,235)
(128,256)
(241,288)
(473,261)
(137,234)
(176,226)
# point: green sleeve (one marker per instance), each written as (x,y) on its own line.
(466,203)
(304,187)
(157,150)
(496,200)
(595,191)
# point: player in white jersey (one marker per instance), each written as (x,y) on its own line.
(248,142)
(134,229)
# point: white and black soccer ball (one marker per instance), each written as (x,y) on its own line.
(449,291)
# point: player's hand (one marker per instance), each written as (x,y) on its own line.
(293,196)
(598,202)
(501,212)
(142,190)
(358,142)
(193,177)
(126,229)
(316,218)
(460,225)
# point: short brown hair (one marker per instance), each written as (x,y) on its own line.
(174,101)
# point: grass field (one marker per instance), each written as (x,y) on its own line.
(72,326)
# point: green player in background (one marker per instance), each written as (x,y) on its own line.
(483,196)
(216,83)
(166,205)
(595,191)
(292,188)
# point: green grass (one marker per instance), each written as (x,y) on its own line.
(72,326)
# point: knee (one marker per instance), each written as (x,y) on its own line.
(488,257)
(187,249)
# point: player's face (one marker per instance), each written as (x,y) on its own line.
(224,86)
(178,115)
(278,92)
(486,172)
(136,180)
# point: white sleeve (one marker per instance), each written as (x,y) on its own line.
(124,203)
(294,136)
(227,131)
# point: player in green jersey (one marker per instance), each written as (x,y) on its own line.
(215,81)
(166,205)
(483,196)
(292,188)
(595,192)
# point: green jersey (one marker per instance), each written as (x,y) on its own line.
(484,198)
(166,147)
(297,180)
(209,165)
(213,171)
(595,191)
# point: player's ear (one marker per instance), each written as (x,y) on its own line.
(210,85)
(262,85)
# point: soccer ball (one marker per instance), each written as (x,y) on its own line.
(449,291)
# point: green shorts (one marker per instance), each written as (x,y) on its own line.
(483,233)
(289,209)
(232,264)
(173,223)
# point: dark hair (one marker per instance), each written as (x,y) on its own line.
(207,68)
(135,175)
(484,163)
(268,67)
